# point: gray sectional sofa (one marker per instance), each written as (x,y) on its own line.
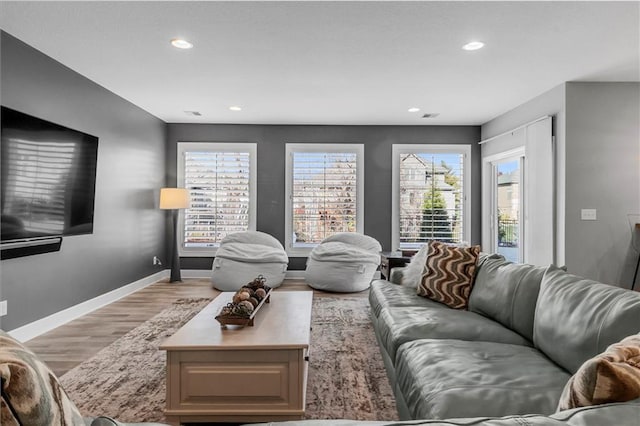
(527,330)
(505,360)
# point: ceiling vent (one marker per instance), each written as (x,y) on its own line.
(431,115)
(193,113)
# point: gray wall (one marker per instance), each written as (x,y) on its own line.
(550,103)
(597,126)
(128,228)
(271,142)
(603,172)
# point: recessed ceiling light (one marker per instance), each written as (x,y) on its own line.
(413,109)
(181,43)
(235,108)
(473,45)
(193,113)
(431,115)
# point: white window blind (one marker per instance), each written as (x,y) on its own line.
(430,192)
(220,186)
(324,193)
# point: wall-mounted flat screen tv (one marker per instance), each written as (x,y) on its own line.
(47,178)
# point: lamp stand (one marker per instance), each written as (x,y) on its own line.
(175,258)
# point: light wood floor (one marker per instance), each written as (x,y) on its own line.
(70,344)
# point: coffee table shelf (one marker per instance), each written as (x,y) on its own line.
(250,374)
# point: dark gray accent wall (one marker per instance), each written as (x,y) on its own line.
(378,140)
(128,229)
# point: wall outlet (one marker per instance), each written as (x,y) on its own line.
(156,261)
(3,308)
(588,214)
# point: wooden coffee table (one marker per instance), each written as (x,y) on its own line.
(250,374)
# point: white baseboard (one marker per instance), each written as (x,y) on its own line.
(41,326)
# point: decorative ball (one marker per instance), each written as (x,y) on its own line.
(261,293)
(254,301)
(247,305)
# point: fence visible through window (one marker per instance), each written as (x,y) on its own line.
(507,232)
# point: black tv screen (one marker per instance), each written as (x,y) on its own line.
(47,178)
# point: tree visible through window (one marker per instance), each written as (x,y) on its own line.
(431,198)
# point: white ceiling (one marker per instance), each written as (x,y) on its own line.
(333,62)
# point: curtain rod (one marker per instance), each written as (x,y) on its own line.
(514,130)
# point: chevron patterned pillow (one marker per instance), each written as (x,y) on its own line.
(449,274)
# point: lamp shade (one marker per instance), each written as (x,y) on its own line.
(174,198)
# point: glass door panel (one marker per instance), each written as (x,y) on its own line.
(508,204)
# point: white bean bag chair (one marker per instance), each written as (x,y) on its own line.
(243,256)
(344,263)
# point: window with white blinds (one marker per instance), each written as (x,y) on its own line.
(220,178)
(324,192)
(430,194)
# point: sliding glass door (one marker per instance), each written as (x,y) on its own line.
(518,207)
(508,207)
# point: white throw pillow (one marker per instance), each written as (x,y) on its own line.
(413,272)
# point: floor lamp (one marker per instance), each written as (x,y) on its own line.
(174,199)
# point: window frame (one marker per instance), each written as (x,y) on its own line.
(252,149)
(490,187)
(396,151)
(290,149)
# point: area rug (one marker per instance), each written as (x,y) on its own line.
(126,380)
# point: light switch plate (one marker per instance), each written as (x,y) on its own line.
(588,214)
(3,308)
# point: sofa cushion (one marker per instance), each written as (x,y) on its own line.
(399,325)
(449,274)
(442,379)
(507,292)
(31,393)
(612,376)
(383,294)
(624,415)
(577,318)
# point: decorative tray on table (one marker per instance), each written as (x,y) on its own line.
(245,304)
